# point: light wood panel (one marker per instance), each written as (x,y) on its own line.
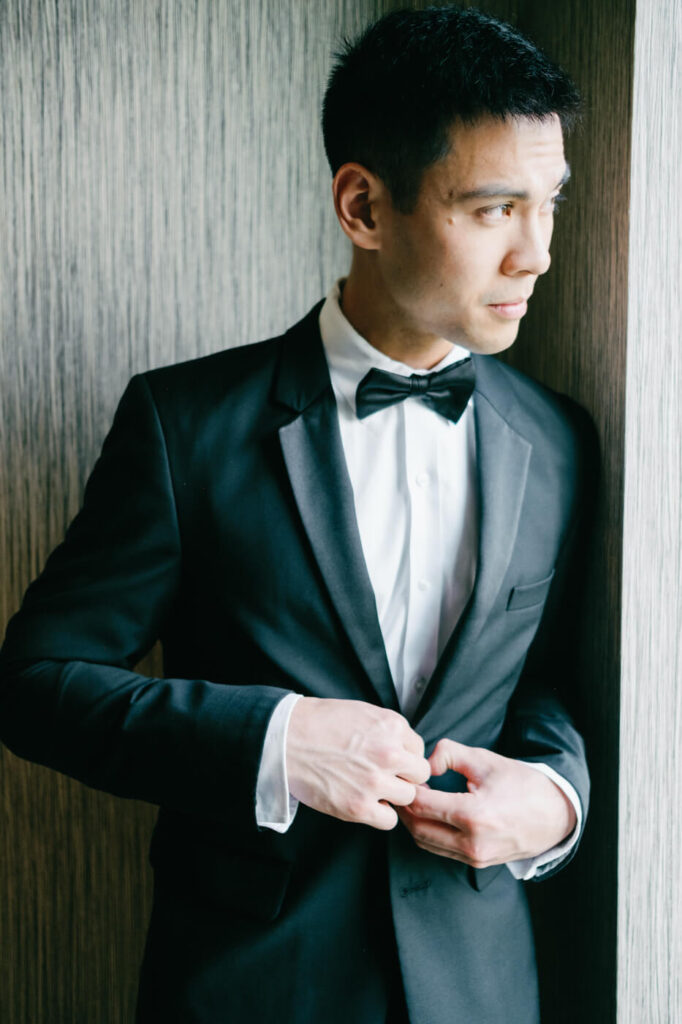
(650,849)
(164,194)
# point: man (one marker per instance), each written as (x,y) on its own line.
(359,544)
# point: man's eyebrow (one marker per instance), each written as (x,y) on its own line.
(499,190)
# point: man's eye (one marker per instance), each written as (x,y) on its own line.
(503,210)
(498,212)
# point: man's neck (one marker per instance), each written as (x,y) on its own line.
(374,317)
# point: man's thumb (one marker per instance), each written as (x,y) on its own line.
(456,757)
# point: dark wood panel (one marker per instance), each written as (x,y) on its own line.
(75,898)
(574,340)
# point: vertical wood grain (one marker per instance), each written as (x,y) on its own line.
(650,848)
(164,194)
(574,340)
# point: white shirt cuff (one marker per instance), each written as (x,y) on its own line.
(526,869)
(275,808)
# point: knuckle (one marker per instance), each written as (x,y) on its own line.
(386,756)
(472,819)
(483,823)
(417,740)
(476,853)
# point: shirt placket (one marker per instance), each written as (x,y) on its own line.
(424,583)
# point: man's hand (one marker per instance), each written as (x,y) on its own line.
(351,760)
(510,811)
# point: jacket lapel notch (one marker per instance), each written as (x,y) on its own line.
(302,374)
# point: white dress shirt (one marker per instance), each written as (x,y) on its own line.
(413,474)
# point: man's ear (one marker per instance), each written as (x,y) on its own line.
(356,191)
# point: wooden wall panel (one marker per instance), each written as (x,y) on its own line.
(574,339)
(650,849)
(164,194)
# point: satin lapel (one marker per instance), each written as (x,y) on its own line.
(315,461)
(502,457)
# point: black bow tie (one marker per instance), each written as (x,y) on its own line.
(446,391)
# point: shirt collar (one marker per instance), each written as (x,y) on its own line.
(351,357)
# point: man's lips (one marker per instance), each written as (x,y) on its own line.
(512,310)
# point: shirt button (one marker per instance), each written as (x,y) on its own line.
(419,684)
(423,585)
(422,479)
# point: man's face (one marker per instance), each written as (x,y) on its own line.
(463,265)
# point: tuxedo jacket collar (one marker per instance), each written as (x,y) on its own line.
(315,461)
(302,374)
(313,454)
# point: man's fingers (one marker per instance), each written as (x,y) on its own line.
(350,759)
(434,836)
(414,769)
(399,792)
(446,841)
(413,742)
(382,816)
(473,762)
(450,808)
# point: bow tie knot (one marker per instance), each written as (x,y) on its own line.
(419,383)
(446,391)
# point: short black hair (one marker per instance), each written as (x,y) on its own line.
(395,92)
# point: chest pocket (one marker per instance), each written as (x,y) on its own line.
(530,594)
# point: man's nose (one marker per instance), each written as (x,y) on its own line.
(529,251)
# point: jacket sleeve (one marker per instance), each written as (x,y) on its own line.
(541,719)
(69,697)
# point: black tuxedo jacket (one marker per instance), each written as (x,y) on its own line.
(219,517)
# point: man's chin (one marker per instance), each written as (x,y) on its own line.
(489,343)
